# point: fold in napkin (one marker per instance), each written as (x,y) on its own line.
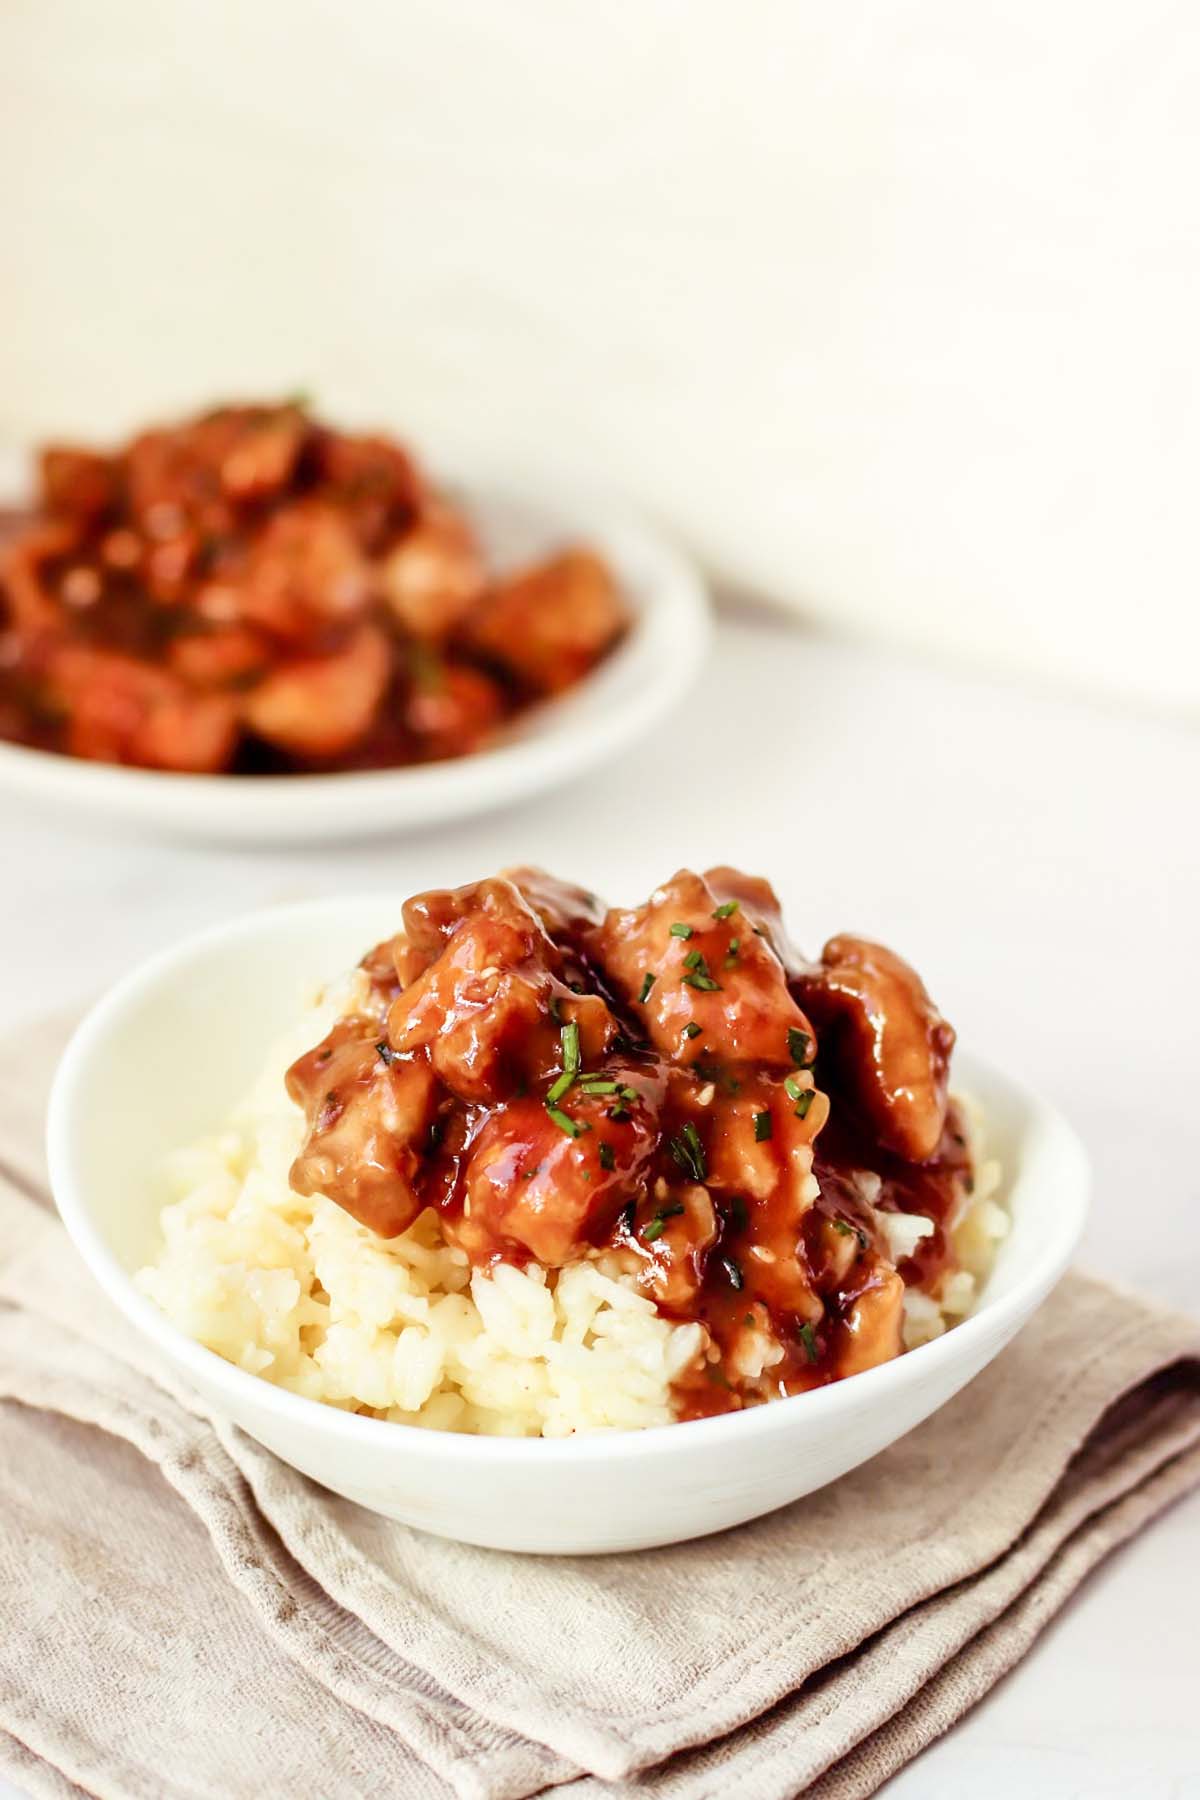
(183,1615)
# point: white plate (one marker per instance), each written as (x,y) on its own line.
(621,699)
(162,1060)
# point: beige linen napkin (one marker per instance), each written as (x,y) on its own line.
(182,1615)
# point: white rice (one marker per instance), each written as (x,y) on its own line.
(295,1290)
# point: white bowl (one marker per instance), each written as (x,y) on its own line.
(161,1060)
(622,698)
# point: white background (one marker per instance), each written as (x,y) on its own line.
(888,306)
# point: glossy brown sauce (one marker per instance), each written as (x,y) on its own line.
(562,1081)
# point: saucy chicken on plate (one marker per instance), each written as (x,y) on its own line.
(254,592)
(549,1167)
(671,1083)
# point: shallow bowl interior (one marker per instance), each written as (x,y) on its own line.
(161,1060)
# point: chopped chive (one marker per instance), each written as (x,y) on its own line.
(608,1156)
(691,1029)
(799,1046)
(647,984)
(658,1223)
(731,953)
(693,960)
(805,1334)
(792,1088)
(570,1048)
(681,930)
(704,983)
(762,1127)
(688,1152)
(619,1113)
(598,1084)
(737,1280)
(573,1127)
(384,1052)
(628,1093)
(726,909)
(559,1089)
(804,1102)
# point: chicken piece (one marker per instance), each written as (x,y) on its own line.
(530,1183)
(319,706)
(882,1036)
(453,709)
(305,572)
(759,1149)
(564,909)
(870,1333)
(490,1005)
(121,710)
(260,461)
(718,990)
(81,485)
(226,657)
(673,1234)
(369,1116)
(759,907)
(376,477)
(434,574)
(549,625)
(26,563)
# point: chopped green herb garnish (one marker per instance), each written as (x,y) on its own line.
(804,1102)
(726,909)
(560,1087)
(799,1046)
(737,1280)
(619,1113)
(805,1334)
(598,1084)
(792,1088)
(573,1127)
(693,960)
(384,1052)
(762,1127)
(703,981)
(691,1029)
(658,1223)
(841,1227)
(628,1093)
(608,1156)
(570,1048)
(688,1152)
(647,984)
(681,930)
(731,953)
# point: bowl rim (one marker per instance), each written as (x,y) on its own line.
(677,618)
(1054,1141)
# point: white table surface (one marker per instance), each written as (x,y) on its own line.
(1035,855)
